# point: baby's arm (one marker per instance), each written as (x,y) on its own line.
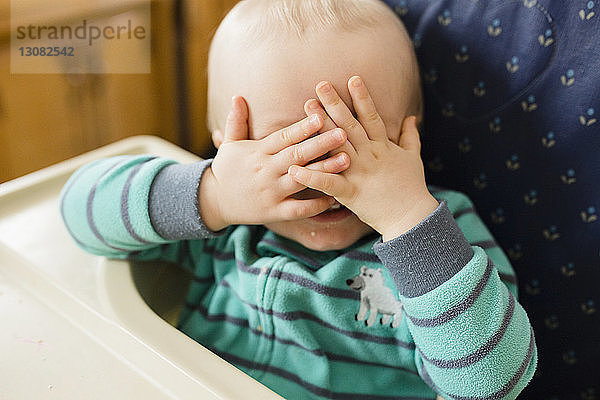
(121,206)
(473,339)
(105,205)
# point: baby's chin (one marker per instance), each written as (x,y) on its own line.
(321,237)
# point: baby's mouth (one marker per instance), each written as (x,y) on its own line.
(336,212)
(336,206)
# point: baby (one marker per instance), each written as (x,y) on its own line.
(303,235)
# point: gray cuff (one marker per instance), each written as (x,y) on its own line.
(427,255)
(173,202)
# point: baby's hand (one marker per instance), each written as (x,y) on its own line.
(248,181)
(385,183)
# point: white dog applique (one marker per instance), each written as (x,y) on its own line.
(375,297)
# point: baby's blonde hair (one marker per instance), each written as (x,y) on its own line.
(297,17)
(261,21)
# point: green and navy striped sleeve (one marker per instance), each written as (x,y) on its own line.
(473,339)
(133,206)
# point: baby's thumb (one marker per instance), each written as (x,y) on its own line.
(409,137)
(236,127)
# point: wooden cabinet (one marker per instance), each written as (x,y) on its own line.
(46,118)
(202,19)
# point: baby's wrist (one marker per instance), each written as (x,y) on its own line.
(208,203)
(421,208)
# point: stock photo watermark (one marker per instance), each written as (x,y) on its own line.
(118,43)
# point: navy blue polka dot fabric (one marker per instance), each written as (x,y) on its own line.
(512,94)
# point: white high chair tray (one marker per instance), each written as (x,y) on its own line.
(74,325)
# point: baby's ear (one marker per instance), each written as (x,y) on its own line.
(217,137)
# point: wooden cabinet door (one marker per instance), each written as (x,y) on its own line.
(42,120)
(47,118)
(202,20)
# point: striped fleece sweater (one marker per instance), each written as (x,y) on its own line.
(432,311)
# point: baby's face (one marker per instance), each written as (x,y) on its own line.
(282,79)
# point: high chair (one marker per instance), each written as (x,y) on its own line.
(76,325)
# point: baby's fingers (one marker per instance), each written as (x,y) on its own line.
(313,106)
(236,127)
(332,165)
(365,109)
(409,138)
(331,184)
(296,133)
(317,146)
(340,113)
(292,209)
